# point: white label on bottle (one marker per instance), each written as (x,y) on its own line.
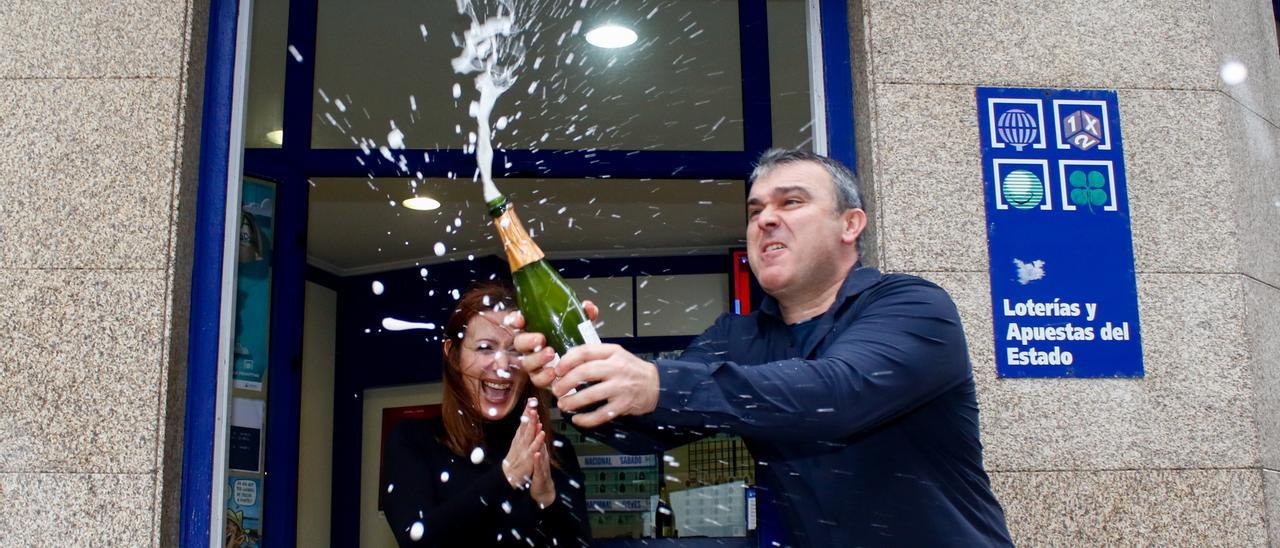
(588,331)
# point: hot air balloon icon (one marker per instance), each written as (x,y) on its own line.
(1017,127)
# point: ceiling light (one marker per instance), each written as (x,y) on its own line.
(276,137)
(421,203)
(611,36)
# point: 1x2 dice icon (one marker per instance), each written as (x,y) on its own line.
(1083,130)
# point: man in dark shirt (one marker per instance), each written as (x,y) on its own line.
(851,388)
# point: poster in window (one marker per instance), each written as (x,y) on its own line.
(253,284)
(243,512)
(244,447)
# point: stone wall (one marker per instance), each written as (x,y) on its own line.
(96,139)
(1188,454)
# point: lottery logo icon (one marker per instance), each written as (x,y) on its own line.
(1083,130)
(1022,189)
(1017,127)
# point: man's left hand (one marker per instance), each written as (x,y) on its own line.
(627,384)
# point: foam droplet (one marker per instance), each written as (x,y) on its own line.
(477,455)
(392,324)
(439,249)
(1234,72)
(444,477)
(416,530)
(395,138)
(378,288)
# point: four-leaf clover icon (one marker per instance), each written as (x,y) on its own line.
(1086,189)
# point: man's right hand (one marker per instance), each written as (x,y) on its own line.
(536,353)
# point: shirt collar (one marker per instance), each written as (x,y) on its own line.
(858,280)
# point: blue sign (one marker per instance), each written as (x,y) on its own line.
(1063,294)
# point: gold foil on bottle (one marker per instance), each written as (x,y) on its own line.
(520,247)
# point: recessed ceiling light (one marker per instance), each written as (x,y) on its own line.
(276,137)
(422,203)
(611,36)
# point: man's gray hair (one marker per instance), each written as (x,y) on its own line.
(845,182)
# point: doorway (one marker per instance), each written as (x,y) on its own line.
(629,166)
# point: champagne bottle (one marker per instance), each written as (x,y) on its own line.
(548,305)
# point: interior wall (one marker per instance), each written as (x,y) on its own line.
(680,305)
(315,429)
(374,531)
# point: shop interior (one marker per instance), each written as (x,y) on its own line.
(361,220)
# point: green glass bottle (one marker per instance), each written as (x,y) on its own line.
(548,305)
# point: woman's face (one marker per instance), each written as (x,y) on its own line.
(490,367)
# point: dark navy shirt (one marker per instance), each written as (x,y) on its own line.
(865,433)
(800,331)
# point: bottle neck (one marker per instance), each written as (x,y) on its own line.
(498,205)
(520,247)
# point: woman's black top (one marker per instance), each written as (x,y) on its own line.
(459,503)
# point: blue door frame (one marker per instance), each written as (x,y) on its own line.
(206,277)
(295,161)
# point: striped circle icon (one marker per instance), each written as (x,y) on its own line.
(1022,189)
(1016,127)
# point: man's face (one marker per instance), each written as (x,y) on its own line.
(795,238)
